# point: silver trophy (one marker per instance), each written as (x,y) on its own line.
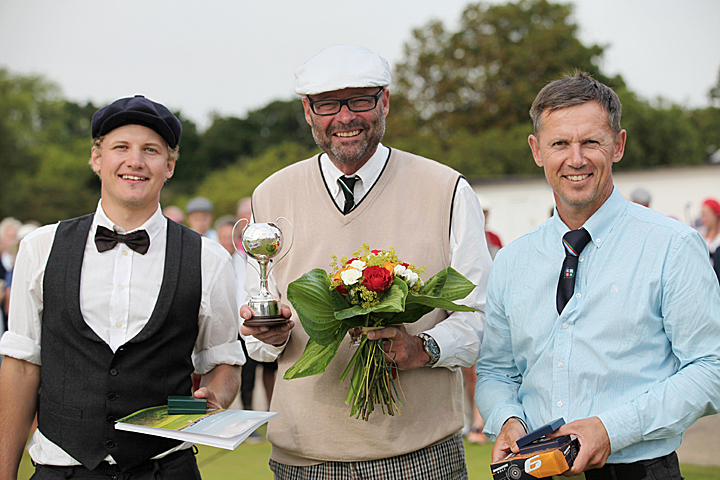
(262,241)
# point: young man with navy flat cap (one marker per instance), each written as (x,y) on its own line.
(112,313)
(358,190)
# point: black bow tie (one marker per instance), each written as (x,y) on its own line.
(106,239)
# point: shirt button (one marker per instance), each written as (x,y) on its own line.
(582,259)
(560,364)
(118,325)
(111,396)
(125,252)
(565,325)
(560,404)
(121,288)
(113,372)
(577,295)
(599,240)
(109,444)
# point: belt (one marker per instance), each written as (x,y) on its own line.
(114,471)
(624,471)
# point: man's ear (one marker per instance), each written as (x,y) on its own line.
(308,113)
(95,159)
(535,147)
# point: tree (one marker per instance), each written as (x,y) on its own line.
(226,186)
(487,74)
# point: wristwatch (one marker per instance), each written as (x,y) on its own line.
(431,348)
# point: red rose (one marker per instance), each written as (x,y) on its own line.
(341,288)
(377,279)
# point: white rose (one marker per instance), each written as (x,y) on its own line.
(411,277)
(358,265)
(399,270)
(350,276)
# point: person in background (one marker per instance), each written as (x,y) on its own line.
(175,214)
(199,216)
(607,315)
(641,197)
(493,240)
(361,191)
(710,218)
(110,313)
(8,248)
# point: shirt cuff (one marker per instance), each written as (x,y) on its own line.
(225,354)
(19,347)
(622,425)
(445,342)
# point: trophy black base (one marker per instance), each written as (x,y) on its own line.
(266,321)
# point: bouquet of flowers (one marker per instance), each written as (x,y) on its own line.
(372,290)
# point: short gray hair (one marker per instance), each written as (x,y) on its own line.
(574,90)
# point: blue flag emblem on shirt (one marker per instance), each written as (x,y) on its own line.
(569,272)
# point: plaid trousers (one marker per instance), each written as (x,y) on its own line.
(444,461)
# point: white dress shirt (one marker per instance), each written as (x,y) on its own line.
(459,336)
(118,292)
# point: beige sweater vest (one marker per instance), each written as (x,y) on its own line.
(409,208)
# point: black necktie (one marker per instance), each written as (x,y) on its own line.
(347,185)
(106,239)
(574,241)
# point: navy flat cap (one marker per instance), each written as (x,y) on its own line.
(137,110)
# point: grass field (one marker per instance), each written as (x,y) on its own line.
(250,462)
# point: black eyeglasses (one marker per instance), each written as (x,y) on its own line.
(362,103)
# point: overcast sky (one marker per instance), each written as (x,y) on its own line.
(231,56)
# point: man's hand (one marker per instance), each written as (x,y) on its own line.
(506,443)
(402,349)
(594,444)
(271,335)
(219,386)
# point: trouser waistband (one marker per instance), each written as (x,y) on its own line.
(626,471)
(113,470)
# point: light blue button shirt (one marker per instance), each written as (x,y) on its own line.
(638,344)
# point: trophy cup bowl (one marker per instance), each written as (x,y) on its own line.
(262,242)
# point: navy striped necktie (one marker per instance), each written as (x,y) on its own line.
(574,241)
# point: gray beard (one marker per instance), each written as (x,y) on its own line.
(349,156)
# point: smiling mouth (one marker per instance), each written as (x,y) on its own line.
(577,178)
(133,177)
(352,133)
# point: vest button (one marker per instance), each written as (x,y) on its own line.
(111,396)
(113,372)
(109,444)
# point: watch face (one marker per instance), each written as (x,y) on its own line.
(431,348)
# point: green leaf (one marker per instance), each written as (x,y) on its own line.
(314,359)
(314,303)
(448,284)
(392,301)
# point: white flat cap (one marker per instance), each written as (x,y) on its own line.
(339,67)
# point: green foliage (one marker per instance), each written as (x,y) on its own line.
(460,97)
(487,74)
(44,151)
(226,186)
(657,136)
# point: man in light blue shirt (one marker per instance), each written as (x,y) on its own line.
(633,358)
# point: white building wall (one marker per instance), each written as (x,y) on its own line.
(517,206)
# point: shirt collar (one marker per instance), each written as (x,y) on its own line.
(368,173)
(154,226)
(601,222)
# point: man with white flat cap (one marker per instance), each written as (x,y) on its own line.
(360,191)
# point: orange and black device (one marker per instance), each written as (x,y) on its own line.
(539,457)
(542,458)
